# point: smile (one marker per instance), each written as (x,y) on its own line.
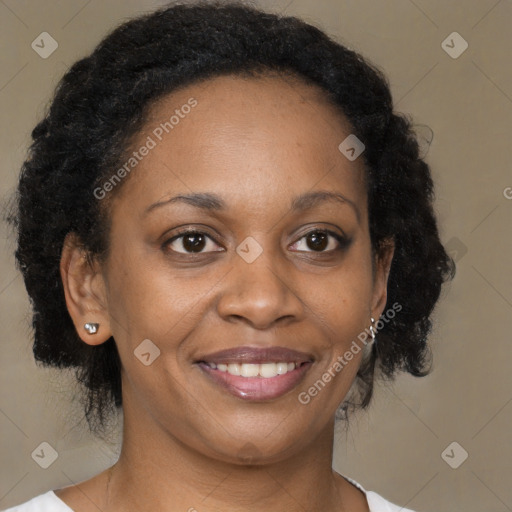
(265,370)
(254,373)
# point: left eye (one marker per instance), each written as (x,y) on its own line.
(318,239)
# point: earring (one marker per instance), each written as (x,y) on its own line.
(91,328)
(372,330)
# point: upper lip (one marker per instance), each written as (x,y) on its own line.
(256,355)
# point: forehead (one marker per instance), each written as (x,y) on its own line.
(245,137)
(269,104)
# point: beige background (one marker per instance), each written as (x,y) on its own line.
(395,448)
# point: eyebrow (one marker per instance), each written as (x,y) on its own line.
(212,202)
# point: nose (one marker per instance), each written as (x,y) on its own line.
(260,293)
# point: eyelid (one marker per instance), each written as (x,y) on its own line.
(342,239)
(185,231)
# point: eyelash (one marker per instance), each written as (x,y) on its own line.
(342,241)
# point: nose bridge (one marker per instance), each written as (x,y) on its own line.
(256,288)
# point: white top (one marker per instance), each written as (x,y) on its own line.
(49,502)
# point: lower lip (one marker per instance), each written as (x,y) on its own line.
(257,388)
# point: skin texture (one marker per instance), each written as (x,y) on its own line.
(257,143)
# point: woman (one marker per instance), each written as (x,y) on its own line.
(227,231)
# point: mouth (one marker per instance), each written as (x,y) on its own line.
(257,374)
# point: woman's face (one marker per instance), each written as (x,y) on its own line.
(261,271)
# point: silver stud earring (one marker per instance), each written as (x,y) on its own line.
(91,328)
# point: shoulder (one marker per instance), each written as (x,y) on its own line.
(376,503)
(47,502)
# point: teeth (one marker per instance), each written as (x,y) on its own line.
(250,370)
(264,370)
(233,369)
(281,368)
(268,370)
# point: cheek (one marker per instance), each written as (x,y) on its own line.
(340,305)
(343,300)
(152,313)
(150,301)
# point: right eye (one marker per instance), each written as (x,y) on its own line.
(190,241)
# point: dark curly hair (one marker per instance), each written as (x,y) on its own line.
(102,102)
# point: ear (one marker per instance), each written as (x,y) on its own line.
(85,291)
(380,282)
